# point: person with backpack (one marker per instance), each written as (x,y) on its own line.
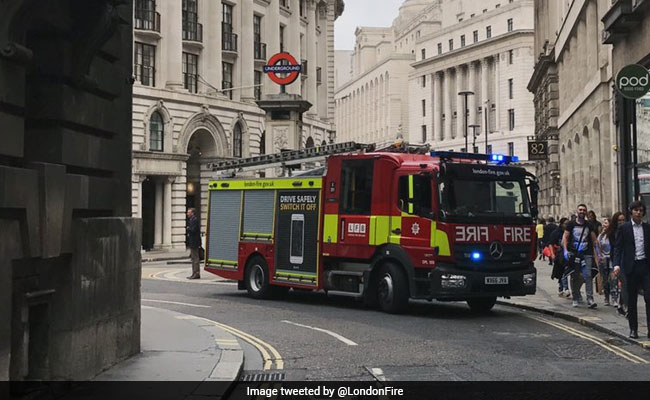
(580,244)
(559,263)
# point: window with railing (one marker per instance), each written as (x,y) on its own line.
(192,30)
(146,17)
(228,37)
(259,47)
(319,75)
(144,65)
(226,83)
(190,72)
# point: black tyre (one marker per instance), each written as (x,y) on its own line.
(256,278)
(392,289)
(481,304)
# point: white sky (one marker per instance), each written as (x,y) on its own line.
(363,13)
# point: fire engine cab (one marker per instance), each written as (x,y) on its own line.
(383,226)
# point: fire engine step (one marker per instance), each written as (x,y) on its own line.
(348,294)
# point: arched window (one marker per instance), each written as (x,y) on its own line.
(237,141)
(156,132)
(324,143)
(310,143)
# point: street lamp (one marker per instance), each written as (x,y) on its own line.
(474,128)
(466,93)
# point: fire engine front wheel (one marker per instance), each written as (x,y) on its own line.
(481,304)
(392,289)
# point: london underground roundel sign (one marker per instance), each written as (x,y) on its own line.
(289,66)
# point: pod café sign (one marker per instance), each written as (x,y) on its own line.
(633,81)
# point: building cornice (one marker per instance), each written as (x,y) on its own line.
(541,67)
(392,57)
(154,155)
(497,40)
(263,3)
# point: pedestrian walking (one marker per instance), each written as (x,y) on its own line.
(632,256)
(580,243)
(540,237)
(605,267)
(591,216)
(549,228)
(559,263)
(193,232)
(618,219)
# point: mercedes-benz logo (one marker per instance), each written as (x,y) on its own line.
(496,250)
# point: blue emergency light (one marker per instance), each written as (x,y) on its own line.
(476,256)
(495,158)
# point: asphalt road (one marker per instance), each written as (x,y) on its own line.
(310,336)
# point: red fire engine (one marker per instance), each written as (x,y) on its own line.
(384,226)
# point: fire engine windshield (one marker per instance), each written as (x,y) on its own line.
(485,199)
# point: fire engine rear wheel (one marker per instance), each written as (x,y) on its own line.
(257,278)
(392,289)
(481,304)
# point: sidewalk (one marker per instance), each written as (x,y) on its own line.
(603,318)
(165,255)
(180,347)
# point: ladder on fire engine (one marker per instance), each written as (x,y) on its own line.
(289,158)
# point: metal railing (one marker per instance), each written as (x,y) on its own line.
(147,20)
(305,67)
(192,31)
(228,38)
(260,51)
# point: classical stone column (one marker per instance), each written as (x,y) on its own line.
(497,93)
(471,100)
(158,215)
(312,56)
(292,39)
(172,46)
(437,108)
(460,105)
(167,212)
(139,180)
(212,53)
(271,36)
(484,95)
(447,99)
(246,62)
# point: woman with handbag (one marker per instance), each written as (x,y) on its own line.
(610,286)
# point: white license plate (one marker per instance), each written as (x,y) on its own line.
(496,280)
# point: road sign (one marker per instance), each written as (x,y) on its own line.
(290,67)
(537,150)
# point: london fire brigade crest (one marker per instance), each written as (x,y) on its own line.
(415,229)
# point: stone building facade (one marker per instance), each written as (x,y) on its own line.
(485,48)
(572,86)
(198,68)
(69,249)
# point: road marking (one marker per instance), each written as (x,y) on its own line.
(176,302)
(263,347)
(378,373)
(333,334)
(170,276)
(607,346)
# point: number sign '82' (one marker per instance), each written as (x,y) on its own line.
(537,150)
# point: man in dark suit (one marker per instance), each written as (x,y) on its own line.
(193,232)
(632,256)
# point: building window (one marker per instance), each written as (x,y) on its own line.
(424,133)
(228,37)
(192,30)
(462,40)
(484,10)
(475,36)
(258,85)
(260,48)
(281,38)
(145,64)
(284,3)
(414,194)
(511,119)
(439,48)
(511,88)
(475,149)
(488,32)
(424,108)
(302,8)
(511,148)
(263,143)
(227,69)
(451,44)
(146,17)
(236,141)
(511,57)
(156,132)
(356,186)
(424,81)
(489,149)
(498,5)
(510,27)
(190,72)
(424,53)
